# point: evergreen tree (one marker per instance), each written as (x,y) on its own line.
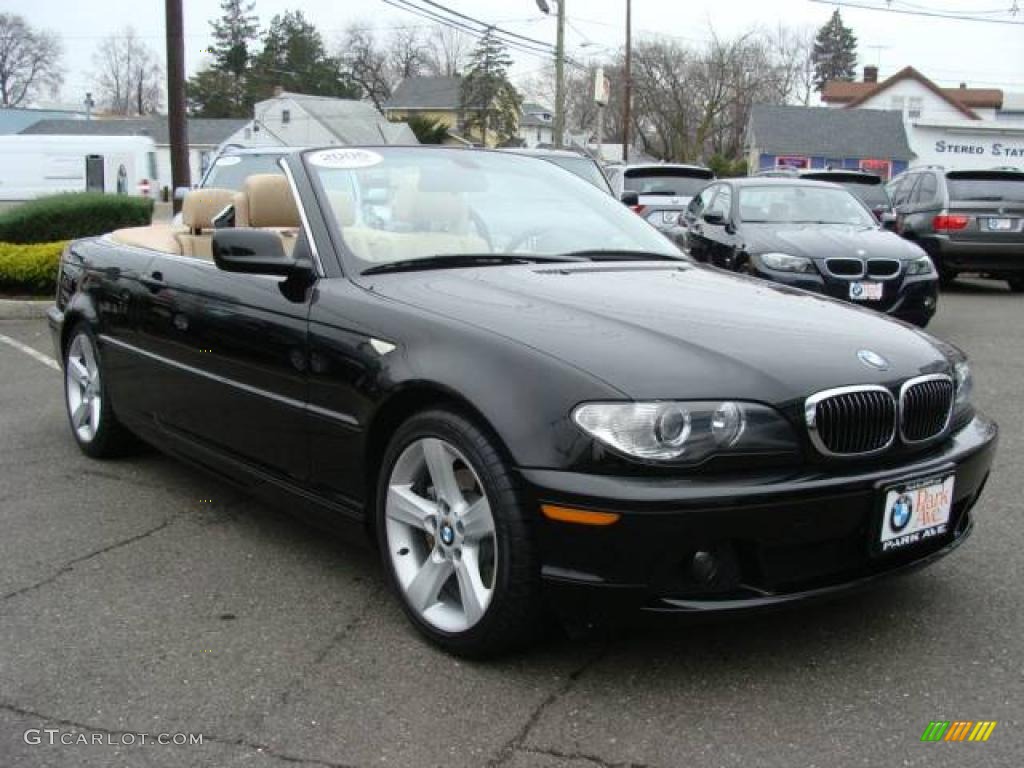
(220,90)
(234,33)
(294,57)
(489,100)
(835,52)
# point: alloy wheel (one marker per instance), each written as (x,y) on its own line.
(441,536)
(84,392)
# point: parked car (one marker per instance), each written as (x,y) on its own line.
(812,235)
(869,187)
(584,166)
(967,221)
(552,409)
(660,192)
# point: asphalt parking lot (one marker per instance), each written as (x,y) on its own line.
(142,596)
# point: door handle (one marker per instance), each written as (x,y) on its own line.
(154,281)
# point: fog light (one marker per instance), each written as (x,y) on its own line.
(704,567)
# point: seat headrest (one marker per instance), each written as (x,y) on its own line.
(201,205)
(344,207)
(433,212)
(266,201)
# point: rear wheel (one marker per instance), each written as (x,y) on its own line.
(455,537)
(94,424)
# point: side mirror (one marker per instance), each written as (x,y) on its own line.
(888,220)
(631,199)
(714,217)
(254,252)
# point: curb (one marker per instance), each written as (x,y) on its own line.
(24,309)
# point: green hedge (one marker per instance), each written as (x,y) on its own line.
(29,269)
(65,217)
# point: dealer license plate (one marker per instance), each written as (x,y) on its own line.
(915,512)
(866,291)
(1000,225)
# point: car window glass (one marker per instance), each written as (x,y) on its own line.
(665,181)
(926,189)
(231,171)
(409,204)
(981,187)
(701,201)
(722,203)
(801,203)
(906,189)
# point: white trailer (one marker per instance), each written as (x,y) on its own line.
(32,166)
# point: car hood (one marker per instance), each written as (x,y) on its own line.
(817,241)
(657,330)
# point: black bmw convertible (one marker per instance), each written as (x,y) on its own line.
(522,394)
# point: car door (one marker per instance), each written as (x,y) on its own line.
(232,354)
(697,243)
(721,236)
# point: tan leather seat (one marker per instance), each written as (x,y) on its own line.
(266,200)
(198,211)
(156,237)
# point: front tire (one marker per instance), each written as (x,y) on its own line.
(456,538)
(94,425)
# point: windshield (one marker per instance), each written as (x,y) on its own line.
(1009,188)
(666,181)
(583,167)
(231,171)
(396,204)
(802,203)
(872,194)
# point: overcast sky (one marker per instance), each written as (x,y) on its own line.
(948,51)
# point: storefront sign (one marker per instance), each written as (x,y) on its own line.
(989,149)
(792,161)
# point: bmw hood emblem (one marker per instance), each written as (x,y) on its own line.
(873,360)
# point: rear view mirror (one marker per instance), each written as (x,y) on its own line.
(254,252)
(630,198)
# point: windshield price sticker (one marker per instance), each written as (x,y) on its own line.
(345,158)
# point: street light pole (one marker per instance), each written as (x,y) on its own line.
(177,127)
(629,83)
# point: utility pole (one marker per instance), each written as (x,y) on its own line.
(559,70)
(629,82)
(560,77)
(177,127)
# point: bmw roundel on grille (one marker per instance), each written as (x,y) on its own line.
(873,360)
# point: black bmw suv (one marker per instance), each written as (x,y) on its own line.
(967,221)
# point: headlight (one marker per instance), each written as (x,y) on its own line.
(964,383)
(921,266)
(783,262)
(685,432)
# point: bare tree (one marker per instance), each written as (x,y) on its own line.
(29,61)
(128,75)
(408,54)
(365,61)
(448,51)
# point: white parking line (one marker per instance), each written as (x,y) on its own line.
(30,352)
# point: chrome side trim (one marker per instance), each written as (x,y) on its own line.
(305,219)
(811,418)
(343,418)
(949,415)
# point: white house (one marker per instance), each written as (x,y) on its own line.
(537,125)
(952,127)
(297,120)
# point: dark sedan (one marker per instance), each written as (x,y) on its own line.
(549,409)
(811,235)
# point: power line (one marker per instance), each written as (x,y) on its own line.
(930,14)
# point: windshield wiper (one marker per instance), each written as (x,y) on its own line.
(456,260)
(612,254)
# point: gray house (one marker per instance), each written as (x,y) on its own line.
(819,137)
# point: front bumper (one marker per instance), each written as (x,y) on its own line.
(776,536)
(914,299)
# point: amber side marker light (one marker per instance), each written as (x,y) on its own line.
(578,516)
